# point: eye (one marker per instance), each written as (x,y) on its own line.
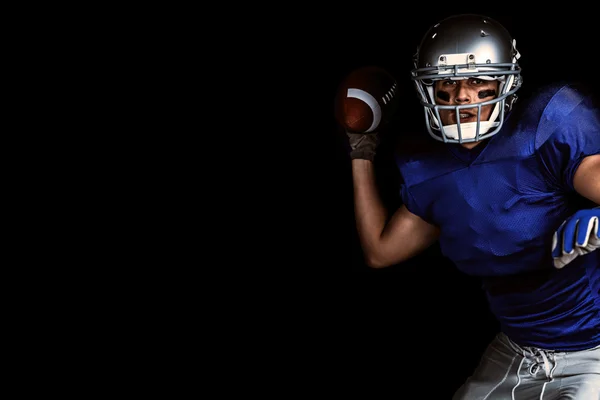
(475,81)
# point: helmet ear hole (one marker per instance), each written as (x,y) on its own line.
(509,102)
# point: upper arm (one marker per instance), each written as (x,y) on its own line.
(586,179)
(567,134)
(404,236)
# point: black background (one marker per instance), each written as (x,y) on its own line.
(419,326)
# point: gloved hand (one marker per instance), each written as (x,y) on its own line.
(363,145)
(576,236)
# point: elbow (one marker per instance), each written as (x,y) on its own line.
(376,262)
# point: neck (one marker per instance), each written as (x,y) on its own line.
(470,145)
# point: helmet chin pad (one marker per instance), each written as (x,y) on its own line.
(468,131)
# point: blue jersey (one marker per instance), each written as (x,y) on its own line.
(498,206)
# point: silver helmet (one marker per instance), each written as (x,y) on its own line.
(460,47)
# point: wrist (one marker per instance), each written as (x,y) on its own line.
(362,155)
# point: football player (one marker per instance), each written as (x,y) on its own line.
(510,190)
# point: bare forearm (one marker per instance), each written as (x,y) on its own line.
(587,178)
(385,241)
(370,213)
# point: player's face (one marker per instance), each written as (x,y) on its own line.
(465,91)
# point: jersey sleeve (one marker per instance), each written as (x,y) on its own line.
(568,132)
(406,196)
(410,203)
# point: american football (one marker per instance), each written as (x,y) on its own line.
(366,99)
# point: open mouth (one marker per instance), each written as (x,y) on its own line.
(467,117)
